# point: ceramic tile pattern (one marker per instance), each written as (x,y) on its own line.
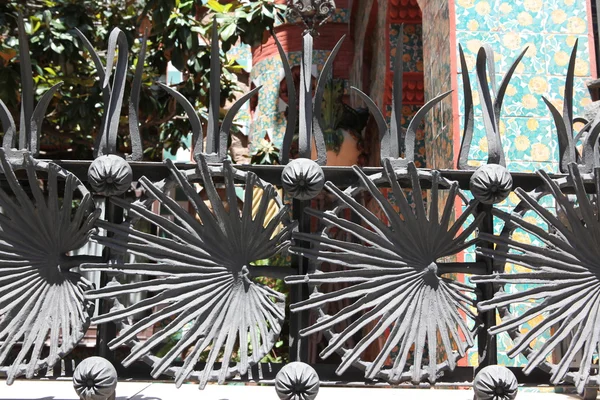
(412,59)
(549,29)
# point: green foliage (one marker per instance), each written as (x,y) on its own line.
(179,33)
(247,20)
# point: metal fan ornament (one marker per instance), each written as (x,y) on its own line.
(203,271)
(394,275)
(41,299)
(564,276)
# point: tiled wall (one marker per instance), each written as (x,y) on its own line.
(550,29)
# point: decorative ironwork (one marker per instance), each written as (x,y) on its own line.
(292,114)
(564,273)
(491,183)
(491,107)
(106,142)
(391,137)
(495,382)
(40,297)
(95,379)
(216,137)
(297,381)
(203,271)
(310,116)
(204,263)
(31,118)
(110,175)
(396,276)
(312,13)
(303,179)
(564,123)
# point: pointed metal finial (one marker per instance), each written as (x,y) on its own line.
(31,117)
(491,104)
(212,133)
(390,136)
(216,135)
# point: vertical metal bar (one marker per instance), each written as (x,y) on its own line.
(395,124)
(306,109)
(26,86)
(486,344)
(212,134)
(107,331)
(298,346)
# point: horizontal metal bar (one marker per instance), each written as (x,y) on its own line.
(265,373)
(340,176)
(475,268)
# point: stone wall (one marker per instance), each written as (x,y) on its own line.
(438,67)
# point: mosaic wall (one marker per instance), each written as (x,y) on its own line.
(412,86)
(408,14)
(549,30)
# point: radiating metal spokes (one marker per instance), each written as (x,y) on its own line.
(41,299)
(394,279)
(203,269)
(564,278)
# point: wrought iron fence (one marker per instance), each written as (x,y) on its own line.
(396,256)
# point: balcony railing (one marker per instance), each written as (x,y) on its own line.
(379,275)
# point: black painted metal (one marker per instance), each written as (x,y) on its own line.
(395,278)
(40,297)
(95,379)
(202,268)
(297,381)
(495,382)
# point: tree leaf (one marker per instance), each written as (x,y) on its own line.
(228,31)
